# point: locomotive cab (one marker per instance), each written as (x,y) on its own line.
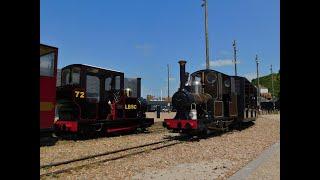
(94,99)
(91,88)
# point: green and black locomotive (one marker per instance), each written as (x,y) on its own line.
(209,100)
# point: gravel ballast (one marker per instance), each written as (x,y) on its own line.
(216,157)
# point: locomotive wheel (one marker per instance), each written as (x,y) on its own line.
(205,132)
(57,134)
(175,131)
(240,125)
(226,129)
(143,130)
(134,130)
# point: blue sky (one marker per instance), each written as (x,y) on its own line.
(140,37)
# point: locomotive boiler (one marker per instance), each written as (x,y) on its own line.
(210,100)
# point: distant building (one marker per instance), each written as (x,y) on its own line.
(263,90)
(152,105)
(150,97)
(166,99)
(267,96)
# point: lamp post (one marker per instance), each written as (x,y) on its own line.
(168,88)
(205,4)
(235,57)
(272,87)
(257,63)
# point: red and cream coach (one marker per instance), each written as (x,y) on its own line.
(48,77)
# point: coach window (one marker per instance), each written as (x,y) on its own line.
(93,86)
(47,65)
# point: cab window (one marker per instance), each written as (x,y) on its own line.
(93,86)
(75,76)
(72,77)
(108,84)
(117,82)
(65,76)
(211,77)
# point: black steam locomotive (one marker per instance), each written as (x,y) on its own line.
(210,100)
(93,100)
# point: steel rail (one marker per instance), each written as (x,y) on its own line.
(110,159)
(101,154)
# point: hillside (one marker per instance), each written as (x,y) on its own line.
(266,82)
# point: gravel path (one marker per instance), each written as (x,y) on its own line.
(200,171)
(66,150)
(70,149)
(216,157)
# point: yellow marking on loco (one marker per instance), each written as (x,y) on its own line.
(130,106)
(46,106)
(79,94)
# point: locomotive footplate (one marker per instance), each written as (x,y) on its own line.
(179,124)
(75,126)
(123,125)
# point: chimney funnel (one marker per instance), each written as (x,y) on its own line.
(182,64)
(138,87)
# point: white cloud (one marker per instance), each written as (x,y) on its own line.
(221,62)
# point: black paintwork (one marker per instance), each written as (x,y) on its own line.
(90,111)
(234,92)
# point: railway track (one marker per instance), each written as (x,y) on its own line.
(117,154)
(156,128)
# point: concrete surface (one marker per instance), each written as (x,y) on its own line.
(266,166)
